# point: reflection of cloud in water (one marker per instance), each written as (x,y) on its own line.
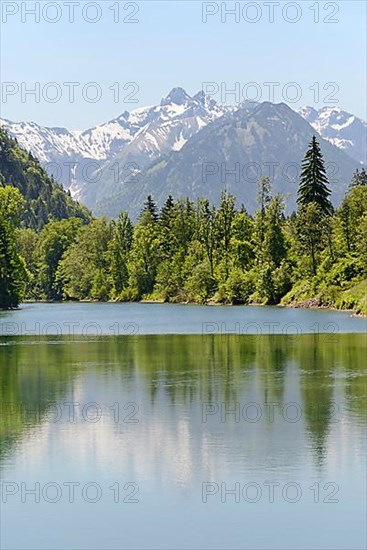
(171,446)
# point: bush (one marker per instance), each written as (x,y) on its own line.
(238,287)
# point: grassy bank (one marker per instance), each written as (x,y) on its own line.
(353,298)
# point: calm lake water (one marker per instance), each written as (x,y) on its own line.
(131,318)
(147,437)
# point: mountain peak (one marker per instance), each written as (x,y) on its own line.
(200,96)
(268,108)
(309,113)
(177,95)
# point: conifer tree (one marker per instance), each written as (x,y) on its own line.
(313,181)
(359,178)
(166,214)
(149,212)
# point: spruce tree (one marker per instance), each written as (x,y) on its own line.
(166,214)
(149,212)
(359,178)
(313,181)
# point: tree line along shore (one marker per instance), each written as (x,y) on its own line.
(52,248)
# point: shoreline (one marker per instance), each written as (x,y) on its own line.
(306,304)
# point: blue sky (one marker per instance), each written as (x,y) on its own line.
(169,46)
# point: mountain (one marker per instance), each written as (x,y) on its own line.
(111,165)
(341,128)
(76,159)
(44,198)
(232,153)
(164,129)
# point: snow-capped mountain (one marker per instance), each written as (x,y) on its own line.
(139,137)
(232,153)
(165,128)
(341,128)
(98,163)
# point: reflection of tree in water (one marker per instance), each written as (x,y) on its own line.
(317,393)
(32,377)
(188,370)
(321,361)
(353,361)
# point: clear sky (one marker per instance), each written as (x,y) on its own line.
(318,46)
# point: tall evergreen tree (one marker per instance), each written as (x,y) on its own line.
(166,214)
(313,181)
(149,212)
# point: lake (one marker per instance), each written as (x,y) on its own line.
(151,426)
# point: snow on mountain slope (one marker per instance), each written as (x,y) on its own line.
(51,144)
(164,128)
(341,128)
(250,139)
(142,135)
(139,138)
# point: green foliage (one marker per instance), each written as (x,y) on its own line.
(192,252)
(54,239)
(13,275)
(44,199)
(118,252)
(149,213)
(311,237)
(83,272)
(313,182)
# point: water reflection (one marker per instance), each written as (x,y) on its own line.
(172,412)
(245,386)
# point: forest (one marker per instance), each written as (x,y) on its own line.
(53,249)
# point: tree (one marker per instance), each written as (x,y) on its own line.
(83,272)
(274,245)
(273,273)
(149,212)
(206,229)
(264,193)
(167,212)
(166,219)
(27,241)
(44,199)
(352,209)
(313,181)
(310,233)
(263,199)
(13,274)
(54,239)
(145,256)
(359,178)
(224,224)
(119,249)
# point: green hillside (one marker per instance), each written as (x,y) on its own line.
(45,199)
